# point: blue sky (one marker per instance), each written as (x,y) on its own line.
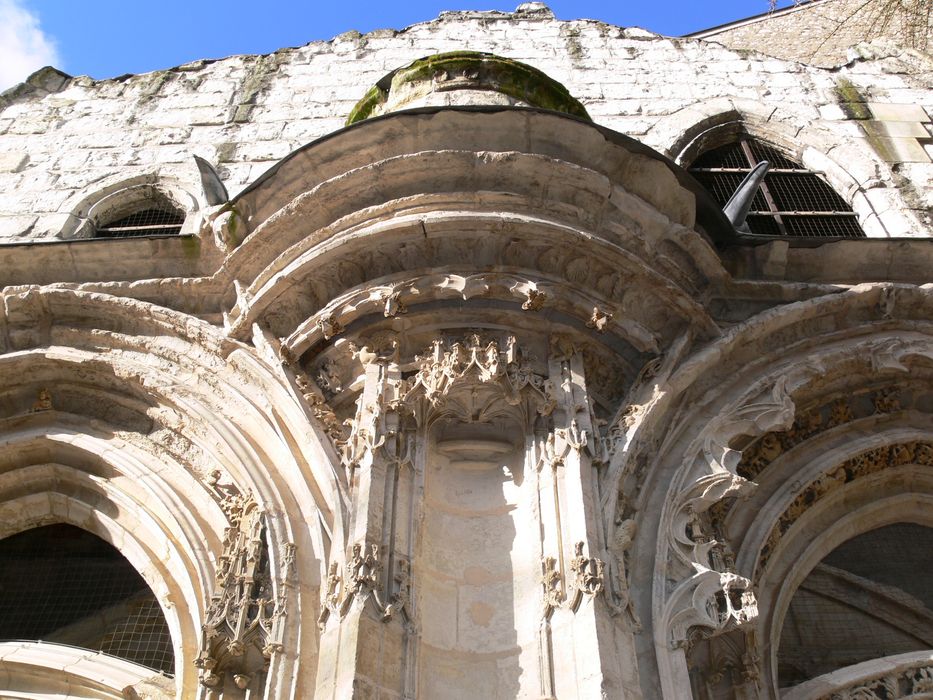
(105,38)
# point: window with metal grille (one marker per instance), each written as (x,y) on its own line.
(155,221)
(792,201)
(64,585)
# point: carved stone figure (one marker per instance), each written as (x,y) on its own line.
(402,594)
(330,601)
(599,319)
(362,571)
(43,401)
(619,545)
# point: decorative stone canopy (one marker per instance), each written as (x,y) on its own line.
(465,78)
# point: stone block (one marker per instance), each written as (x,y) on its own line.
(13,162)
(832,112)
(900,150)
(895,129)
(898,112)
(16,226)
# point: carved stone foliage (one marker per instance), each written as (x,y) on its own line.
(586,579)
(916,682)
(757,456)
(242,627)
(332,426)
(447,364)
(869,462)
(361,582)
(587,573)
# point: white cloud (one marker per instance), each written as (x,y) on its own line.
(24,48)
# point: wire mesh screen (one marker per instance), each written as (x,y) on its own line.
(148,222)
(762,151)
(815,226)
(803,192)
(792,201)
(729,156)
(142,636)
(62,584)
(723,185)
(869,598)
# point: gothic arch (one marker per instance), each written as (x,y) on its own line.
(34,494)
(145,388)
(791,356)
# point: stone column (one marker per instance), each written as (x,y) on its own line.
(585,640)
(364,621)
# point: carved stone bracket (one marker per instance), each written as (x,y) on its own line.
(708,604)
(360,582)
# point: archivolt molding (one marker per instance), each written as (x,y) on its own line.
(530,291)
(463,241)
(901,676)
(174,390)
(697,571)
(25,670)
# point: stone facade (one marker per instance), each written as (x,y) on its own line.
(482,395)
(827,32)
(63,150)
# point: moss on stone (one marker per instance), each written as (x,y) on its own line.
(190,246)
(365,107)
(475,70)
(851,100)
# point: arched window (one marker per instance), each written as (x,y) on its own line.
(150,218)
(792,201)
(62,584)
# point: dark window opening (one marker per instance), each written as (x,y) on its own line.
(869,598)
(792,201)
(61,584)
(147,222)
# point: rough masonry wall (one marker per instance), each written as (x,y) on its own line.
(66,142)
(823,32)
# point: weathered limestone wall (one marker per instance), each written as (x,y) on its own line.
(65,143)
(821,32)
